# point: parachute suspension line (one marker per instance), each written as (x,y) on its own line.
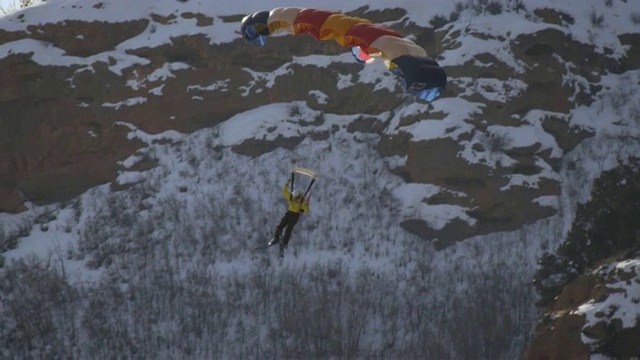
(366,99)
(306,172)
(373,103)
(293,177)
(386,102)
(309,187)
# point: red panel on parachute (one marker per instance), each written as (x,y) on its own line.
(309,21)
(364,34)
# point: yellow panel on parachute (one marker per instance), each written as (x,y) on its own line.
(304,171)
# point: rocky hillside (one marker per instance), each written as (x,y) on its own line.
(67,86)
(590,288)
(594,314)
(530,84)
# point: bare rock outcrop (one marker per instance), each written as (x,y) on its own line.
(595,314)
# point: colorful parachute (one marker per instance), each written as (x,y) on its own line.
(420,75)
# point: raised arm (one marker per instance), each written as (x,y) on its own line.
(285,191)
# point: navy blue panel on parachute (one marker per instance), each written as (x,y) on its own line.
(254,27)
(422,75)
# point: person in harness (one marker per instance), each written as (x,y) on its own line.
(297,204)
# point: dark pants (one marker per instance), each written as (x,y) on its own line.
(289,220)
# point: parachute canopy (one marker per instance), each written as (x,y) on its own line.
(302,180)
(418,73)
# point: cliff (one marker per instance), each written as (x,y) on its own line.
(93,91)
(594,314)
(69,84)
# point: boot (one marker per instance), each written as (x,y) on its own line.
(274,241)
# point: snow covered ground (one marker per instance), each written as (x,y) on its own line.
(212,206)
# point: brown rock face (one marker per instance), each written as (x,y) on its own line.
(60,124)
(563,332)
(559,341)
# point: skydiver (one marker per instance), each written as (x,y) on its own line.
(296,205)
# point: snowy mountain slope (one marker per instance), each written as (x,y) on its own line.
(202,221)
(168,240)
(503,86)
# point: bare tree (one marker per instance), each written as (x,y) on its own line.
(19,4)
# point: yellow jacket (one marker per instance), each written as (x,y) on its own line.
(295,205)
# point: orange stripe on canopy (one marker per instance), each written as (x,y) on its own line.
(363,35)
(336,25)
(309,21)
